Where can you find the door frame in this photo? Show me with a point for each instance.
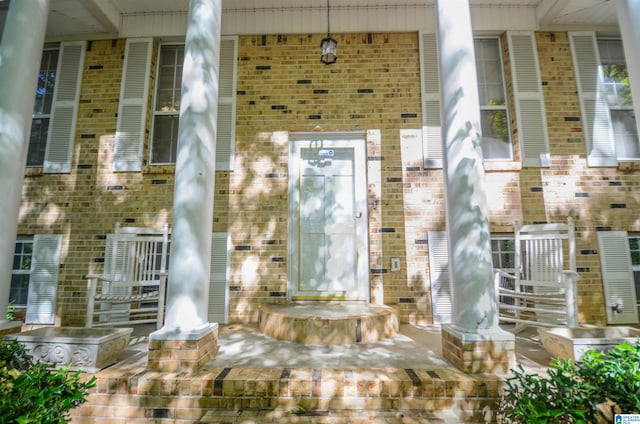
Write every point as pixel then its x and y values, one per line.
pixel 358 140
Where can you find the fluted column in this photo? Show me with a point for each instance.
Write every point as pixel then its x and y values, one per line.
pixel 20 54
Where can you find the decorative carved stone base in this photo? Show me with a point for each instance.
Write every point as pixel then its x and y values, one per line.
pixel 485 351
pixel 172 351
pixel 86 349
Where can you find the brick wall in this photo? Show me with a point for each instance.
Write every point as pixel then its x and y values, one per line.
pixel 282 88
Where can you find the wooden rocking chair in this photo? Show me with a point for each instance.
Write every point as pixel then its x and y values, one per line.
pixel 541 291
pixel 132 288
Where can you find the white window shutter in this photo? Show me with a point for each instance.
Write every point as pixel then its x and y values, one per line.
pixel 225 134
pixel 527 90
pixel 43 280
pixel 442 303
pixel 596 121
pixel 132 111
pixel 219 281
pixel 64 110
pixel 617 277
pixel 431 125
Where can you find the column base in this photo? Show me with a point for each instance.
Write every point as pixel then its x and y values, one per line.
pixel 489 351
pixel 175 351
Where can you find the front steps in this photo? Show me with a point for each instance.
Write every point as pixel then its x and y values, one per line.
pixel 319 395
pixel 328 323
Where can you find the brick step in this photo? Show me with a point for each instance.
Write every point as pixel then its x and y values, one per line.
pixel 321 394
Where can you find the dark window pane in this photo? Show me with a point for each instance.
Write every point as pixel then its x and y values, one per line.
pixel 165 139
pixel 46 82
pixel 19 289
pixel 37 142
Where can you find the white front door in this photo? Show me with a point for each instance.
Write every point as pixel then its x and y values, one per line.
pixel 328 236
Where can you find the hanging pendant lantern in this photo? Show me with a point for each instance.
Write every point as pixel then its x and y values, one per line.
pixel 328 44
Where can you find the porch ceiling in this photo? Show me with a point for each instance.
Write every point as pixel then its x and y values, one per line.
pixel 105 17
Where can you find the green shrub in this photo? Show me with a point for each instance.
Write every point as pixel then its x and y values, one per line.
pixel 576 392
pixel 32 393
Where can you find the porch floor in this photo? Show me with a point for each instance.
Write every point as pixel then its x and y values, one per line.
pixel 245 346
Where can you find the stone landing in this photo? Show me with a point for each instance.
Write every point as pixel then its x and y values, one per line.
pixel 328 323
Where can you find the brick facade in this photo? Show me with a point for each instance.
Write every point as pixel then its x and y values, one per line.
pixel 282 88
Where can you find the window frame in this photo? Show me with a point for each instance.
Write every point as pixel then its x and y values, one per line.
pixel 635 267
pixel 617 142
pixel 21 272
pixel 155 112
pixel 501 238
pixel 42 117
pixel 506 105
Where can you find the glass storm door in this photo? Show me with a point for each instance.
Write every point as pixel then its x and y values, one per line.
pixel 328 243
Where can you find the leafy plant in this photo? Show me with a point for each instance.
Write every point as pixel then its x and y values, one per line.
pixel 576 392
pixel 32 393
pixel 10 316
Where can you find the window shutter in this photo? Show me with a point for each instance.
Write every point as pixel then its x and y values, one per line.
pixel 43 281
pixel 132 111
pixel 529 99
pixel 617 277
pixel 64 110
pixel 439 271
pixel 431 126
pixel 219 281
pixel 225 133
pixel 596 121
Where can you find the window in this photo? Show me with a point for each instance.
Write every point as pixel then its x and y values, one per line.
pixel 496 141
pixel 42 108
pixel 21 272
pixel 167 104
pixel 618 96
pixel 166 110
pixel 634 248
pixel 503 253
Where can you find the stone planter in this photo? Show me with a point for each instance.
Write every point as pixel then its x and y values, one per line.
pixel 86 349
pixel 572 343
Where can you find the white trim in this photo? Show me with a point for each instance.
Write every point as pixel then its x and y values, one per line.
pixel 357 139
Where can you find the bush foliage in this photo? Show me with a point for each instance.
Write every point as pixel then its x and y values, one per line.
pixel 584 391
pixel 33 393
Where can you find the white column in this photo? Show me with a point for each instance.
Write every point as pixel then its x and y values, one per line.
pixel 629 21
pixel 189 265
pixel 20 54
pixel 470 264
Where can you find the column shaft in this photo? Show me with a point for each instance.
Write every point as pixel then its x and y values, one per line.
pixel 20 54
pixel 189 265
pixel 470 266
